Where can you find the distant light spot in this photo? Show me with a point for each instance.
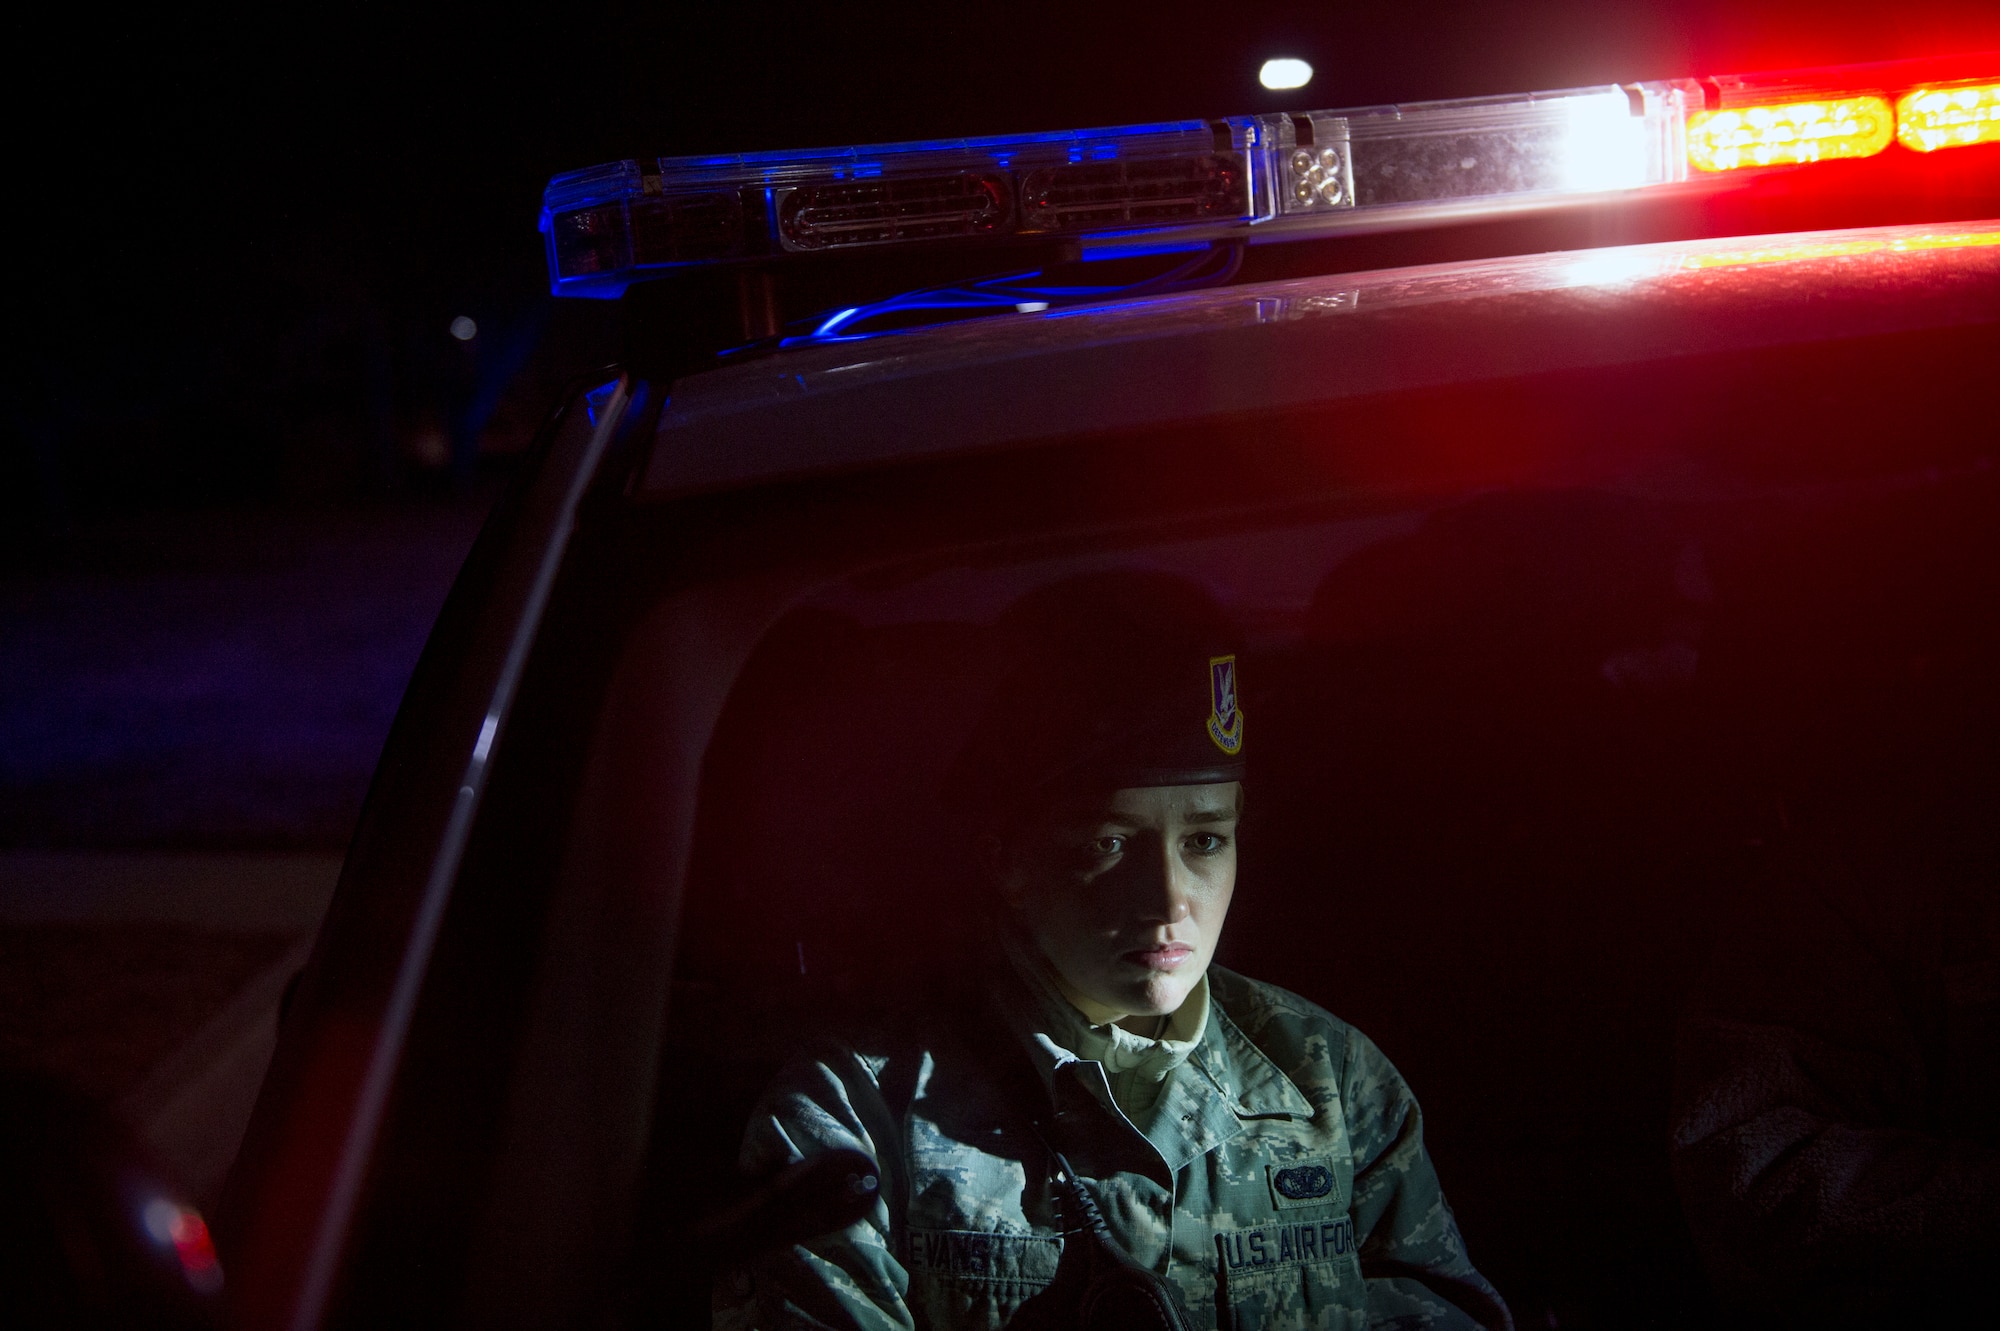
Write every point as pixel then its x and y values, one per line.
pixel 1285 72
pixel 160 1216
pixel 429 445
pixel 464 329
pixel 1030 306
pixel 181 1228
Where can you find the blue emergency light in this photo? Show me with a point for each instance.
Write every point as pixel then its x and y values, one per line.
pixel 1189 183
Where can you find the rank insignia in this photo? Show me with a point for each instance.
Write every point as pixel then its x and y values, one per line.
pixel 1225 717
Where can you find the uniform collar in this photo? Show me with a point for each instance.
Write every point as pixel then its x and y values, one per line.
pixel 1195 1113
pixel 1249 1081
pixel 1152 1059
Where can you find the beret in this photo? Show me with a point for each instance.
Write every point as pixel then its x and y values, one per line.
pixel 1108 680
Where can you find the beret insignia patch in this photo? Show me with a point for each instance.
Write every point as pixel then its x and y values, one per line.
pixel 1225 717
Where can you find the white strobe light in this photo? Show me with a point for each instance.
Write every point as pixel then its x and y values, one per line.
pixel 1285 72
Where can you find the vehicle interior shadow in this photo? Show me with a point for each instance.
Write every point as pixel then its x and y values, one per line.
pixel 1500 835
pixel 1511 771
pixel 825 890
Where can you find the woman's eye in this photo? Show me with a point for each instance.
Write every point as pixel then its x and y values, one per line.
pixel 1108 845
pixel 1205 843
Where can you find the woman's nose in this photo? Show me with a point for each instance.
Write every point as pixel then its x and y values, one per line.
pixel 1168 885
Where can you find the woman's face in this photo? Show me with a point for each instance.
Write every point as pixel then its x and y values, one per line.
pixel 1126 897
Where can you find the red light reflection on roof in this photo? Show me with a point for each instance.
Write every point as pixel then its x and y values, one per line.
pixel 1799 251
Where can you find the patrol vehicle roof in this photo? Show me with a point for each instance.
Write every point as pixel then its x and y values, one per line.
pixel 1126 366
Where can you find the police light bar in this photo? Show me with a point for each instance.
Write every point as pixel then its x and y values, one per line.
pixel 1928 119
pixel 1253 178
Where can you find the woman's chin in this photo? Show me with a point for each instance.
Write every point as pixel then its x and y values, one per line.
pixel 1116 996
pixel 1161 996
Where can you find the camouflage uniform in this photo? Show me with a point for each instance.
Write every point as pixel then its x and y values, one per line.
pixel 1280 1181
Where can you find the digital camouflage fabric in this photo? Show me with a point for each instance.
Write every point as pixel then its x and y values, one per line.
pixel 1284 1182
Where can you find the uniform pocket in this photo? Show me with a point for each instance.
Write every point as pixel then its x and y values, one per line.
pixel 961 1277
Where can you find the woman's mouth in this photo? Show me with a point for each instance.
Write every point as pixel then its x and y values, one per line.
pixel 1164 957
